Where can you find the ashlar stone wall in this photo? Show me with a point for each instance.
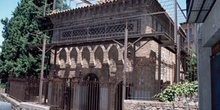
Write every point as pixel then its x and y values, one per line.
pixel 155 105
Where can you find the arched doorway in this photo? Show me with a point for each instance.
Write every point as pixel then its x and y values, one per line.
pixel 91 81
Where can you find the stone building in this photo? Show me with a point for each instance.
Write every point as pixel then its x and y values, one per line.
pixel 190 42
pixel 88 46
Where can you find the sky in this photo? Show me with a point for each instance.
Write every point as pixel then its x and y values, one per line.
pixel 6 9
pixel 8 6
pixel 169 7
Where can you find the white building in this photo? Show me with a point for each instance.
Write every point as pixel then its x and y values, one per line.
pixel 208 13
pixel 191 36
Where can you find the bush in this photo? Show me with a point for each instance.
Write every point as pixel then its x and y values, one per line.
pixel 178 89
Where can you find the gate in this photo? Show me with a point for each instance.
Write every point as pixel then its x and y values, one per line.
pixel 59 94
pixel 84 94
pixel 215 80
pixel 75 93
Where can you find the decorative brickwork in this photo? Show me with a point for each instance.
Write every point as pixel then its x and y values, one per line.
pixel 107 62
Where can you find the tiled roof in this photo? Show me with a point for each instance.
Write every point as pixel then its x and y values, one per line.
pixel 54 12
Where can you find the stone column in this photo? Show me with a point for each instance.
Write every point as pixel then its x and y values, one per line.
pixel 104 99
pixel 80 96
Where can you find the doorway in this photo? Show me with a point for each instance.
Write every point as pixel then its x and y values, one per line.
pixel 92 83
pixel 215 80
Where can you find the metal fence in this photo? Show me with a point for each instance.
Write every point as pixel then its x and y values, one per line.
pixel 23 89
pixel 75 94
pixel 71 94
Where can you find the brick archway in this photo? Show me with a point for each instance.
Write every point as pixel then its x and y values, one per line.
pixel 91 77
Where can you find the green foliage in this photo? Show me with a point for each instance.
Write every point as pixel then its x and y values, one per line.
pixel 180 89
pixel 191 74
pixel 16 57
pixel 186 88
pixel 2 85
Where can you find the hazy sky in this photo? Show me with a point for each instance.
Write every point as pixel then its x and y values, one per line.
pixel 8 6
pixel 6 9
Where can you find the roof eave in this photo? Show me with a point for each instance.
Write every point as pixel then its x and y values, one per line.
pixel 194 15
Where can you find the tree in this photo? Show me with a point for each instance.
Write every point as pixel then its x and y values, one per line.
pixel 19 32
pixel 191 74
pixel 189 86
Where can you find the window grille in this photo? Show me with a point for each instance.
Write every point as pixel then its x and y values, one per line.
pixel 98 31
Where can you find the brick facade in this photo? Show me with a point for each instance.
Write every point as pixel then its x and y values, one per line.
pixel 106 61
pixel 150 65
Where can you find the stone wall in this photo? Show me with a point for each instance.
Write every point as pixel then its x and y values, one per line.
pixel 16 105
pixel 5 98
pixel 33 106
pixel 155 105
